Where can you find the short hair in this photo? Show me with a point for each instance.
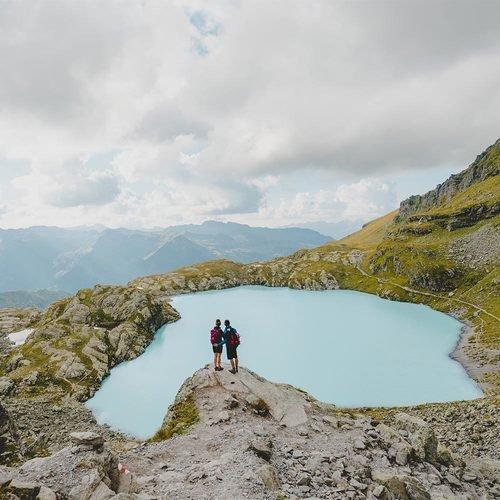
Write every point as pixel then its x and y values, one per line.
pixel 226 322
pixel 217 321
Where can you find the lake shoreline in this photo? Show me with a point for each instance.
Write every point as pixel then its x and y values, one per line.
pixel 459 354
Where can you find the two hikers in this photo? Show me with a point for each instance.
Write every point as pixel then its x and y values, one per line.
pixel 231 338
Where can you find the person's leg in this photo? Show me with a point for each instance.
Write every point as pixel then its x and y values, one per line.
pixel 219 361
pixel 215 361
pixel 236 363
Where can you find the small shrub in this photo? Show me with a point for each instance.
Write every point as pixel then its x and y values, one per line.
pixel 183 415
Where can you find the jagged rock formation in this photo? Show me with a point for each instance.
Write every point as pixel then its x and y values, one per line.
pixel 15 319
pixel 85 470
pixel 78 340
pixel 487 164
pixel 245 437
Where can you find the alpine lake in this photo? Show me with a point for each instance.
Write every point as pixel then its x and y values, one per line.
pixel 348 348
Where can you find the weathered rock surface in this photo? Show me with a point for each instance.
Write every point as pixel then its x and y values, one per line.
pixel 484 166
pixel 77 472
pixel 298 448
pixel 44 426
pixel 78 340
pixel 15 319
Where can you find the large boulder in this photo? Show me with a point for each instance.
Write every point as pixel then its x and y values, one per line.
pixel 87 470
pixel 401 486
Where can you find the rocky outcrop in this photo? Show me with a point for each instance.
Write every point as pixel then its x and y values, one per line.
pixel 256 439
pixel 15 319
pixel 486 165
pixel 477 249
pixel 252 438
pixel 44 426
pixel 78 340
pixel 86 470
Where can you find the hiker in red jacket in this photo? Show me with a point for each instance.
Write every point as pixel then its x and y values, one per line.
pixel 216 340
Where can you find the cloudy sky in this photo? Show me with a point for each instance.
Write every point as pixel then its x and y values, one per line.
pixel 151 113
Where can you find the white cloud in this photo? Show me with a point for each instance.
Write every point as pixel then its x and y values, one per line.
pixel 209 106
pixel 98 188
pixel 366 199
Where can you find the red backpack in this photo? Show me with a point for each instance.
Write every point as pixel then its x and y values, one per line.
pixel 234 338
pixel 215 336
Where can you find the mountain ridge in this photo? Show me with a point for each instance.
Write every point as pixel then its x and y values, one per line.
pixel 486 164
pixel 69 259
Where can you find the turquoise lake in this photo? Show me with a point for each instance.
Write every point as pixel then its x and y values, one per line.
pixel 343 347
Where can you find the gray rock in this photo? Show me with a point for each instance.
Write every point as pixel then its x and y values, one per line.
pixel 330 421
pixel 262 448
pixel 424 443
pixel 102 492
pixel 453 480
pixel 46 494
pixel 24 489
pixel 400 485
pixel 410 423
pixel 223 416
pixel 267 474
pixel 304 479
pixel 87 438
pixel 402 455
pixel 6 386
pixel 359 444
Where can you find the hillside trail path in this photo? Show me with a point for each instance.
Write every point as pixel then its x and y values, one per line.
pixel 429 294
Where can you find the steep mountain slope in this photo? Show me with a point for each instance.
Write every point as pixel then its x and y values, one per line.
pixel 486 165
pixel 177 252
pixel 30 258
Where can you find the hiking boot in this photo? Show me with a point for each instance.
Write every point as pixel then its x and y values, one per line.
pixel 220 368
pixel 232 370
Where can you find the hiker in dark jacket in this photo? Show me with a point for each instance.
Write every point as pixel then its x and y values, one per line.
pixel 232 340
pixel 216 339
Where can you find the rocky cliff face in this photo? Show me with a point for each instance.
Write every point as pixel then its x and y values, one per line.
pixel 78 340
pixel 241 436
pixel 487 164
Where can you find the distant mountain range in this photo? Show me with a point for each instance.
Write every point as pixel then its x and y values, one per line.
pixel 68 259
pixel 22 298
